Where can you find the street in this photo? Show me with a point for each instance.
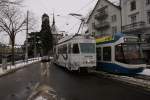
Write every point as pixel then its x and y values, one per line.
pixel 68 86
pixel 17 86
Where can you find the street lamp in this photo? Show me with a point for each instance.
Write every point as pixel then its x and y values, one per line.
pixel 74 14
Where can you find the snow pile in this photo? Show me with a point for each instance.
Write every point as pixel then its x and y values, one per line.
pixel 41 98
pixel 19 64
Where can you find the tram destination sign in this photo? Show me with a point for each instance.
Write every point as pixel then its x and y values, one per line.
pixel 131 39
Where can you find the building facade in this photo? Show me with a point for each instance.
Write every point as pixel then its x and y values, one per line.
pixel 34 44
pixel 105 19
pixel 136 21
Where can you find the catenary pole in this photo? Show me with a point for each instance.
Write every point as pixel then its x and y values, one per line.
pixel 26 49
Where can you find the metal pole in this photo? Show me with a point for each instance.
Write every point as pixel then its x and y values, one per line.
pixel 121 14
pixel 79 28
pixel 82 22
pixel 34 45
pixel 26 49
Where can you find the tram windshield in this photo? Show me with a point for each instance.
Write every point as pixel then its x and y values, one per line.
pixel 87 47
pixel 129 53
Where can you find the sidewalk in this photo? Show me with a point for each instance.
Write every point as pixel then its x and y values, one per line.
pixel 18 65
pixel 145 84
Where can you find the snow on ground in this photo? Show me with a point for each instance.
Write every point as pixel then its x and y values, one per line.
pixel 145 72
pixel 18 64
pixel 1 70
pixel 41 98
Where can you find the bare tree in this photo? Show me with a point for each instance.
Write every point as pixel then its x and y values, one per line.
pixel 4 3
pixel 13 21
pixel 8 2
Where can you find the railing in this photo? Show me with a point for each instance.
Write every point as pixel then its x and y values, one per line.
pixel 133 27
pixel 146 46
pixel 101 15
pixel 102 26
pixel 102 9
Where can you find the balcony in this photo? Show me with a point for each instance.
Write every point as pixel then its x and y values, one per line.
pixel 101 26
pixel 134 27
pixel 146 46
pixel 101 15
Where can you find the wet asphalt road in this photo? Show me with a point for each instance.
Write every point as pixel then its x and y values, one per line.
pixel 17 86
pixel 69 86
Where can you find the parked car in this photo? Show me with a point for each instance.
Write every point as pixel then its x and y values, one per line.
pixel 45 59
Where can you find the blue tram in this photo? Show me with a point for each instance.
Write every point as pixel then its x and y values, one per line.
pixel 119 54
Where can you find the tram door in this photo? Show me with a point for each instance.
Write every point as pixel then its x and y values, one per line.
pixel 69 55
pixel 98 50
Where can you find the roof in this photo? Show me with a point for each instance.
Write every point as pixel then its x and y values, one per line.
pixel 45 15
pixel 71 37
pixel 97 5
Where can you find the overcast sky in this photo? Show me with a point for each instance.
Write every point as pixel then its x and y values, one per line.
pixel 64 22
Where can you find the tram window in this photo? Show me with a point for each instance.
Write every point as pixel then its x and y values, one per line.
pixel 69 48
pixel 107 53
pixel 98 53
pixel 75 48
pixel 64 48
pixel 59 51
pixel 119 56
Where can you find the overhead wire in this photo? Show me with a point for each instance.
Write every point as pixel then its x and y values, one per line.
pixel 82 8
pixel 73 26
pixel 85 6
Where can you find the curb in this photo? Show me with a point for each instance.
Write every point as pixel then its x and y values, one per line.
pixel 148 66
pixel 8 72
pixel 138 83
pixel 15 69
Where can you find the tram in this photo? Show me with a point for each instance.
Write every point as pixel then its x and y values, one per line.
pixel 76 52
pixel 120 54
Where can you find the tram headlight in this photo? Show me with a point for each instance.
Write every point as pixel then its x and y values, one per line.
pixel 88 61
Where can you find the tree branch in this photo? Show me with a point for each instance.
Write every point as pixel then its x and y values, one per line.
pixel 8 2
pixel 2 22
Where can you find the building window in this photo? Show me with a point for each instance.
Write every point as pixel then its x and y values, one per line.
pixel 133 19
pixel 133 5
pixel 114 30
pixel 107 54
pixel 148 17
pixel 147 2
pixel 114 18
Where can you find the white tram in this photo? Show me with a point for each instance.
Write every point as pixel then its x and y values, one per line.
pixel 121 54
pixel 76 52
